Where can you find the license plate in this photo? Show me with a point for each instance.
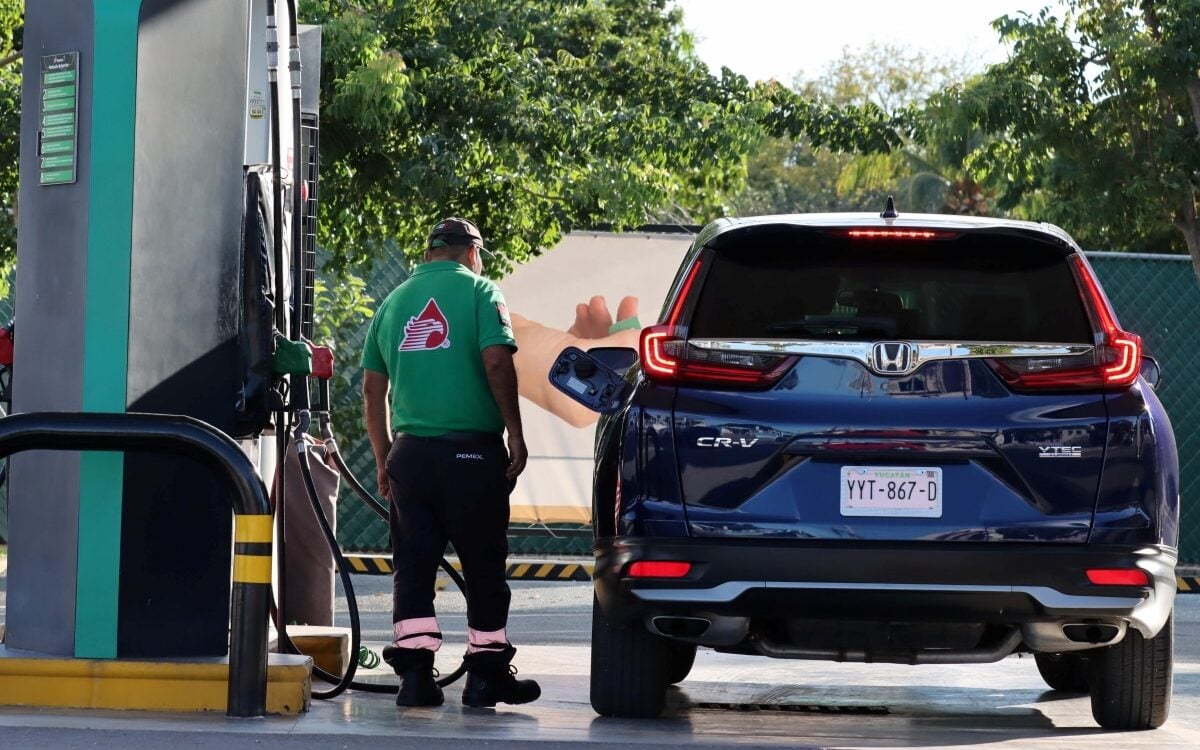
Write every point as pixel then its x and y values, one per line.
pixel 905 491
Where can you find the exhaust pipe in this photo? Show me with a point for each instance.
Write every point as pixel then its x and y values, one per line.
pixel 680 627
pixel 1095 633
pixel 703 628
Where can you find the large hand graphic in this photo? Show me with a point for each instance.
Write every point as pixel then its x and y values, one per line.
pixel 593 320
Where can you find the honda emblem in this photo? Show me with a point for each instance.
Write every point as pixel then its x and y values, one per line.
pixel 893 358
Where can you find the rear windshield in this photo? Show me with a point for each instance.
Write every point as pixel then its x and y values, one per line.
pixel 808 286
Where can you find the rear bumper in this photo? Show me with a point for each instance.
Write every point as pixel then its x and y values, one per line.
pixel 1037 587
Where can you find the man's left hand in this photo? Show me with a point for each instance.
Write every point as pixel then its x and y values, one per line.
pixel 517 456
pixel 385 486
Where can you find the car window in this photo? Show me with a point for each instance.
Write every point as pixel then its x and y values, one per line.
pixel 974 288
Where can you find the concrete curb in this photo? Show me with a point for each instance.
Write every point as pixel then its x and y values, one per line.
pixel 141 684
pixel 520 569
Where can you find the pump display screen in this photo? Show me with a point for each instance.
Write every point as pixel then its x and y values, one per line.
pixel 59 123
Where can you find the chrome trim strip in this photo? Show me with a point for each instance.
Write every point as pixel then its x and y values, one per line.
pixel 924 351
pixel 1046 596
pixel 725 592
pixel 1055 599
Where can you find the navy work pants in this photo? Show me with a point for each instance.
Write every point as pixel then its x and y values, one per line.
pixel 450 489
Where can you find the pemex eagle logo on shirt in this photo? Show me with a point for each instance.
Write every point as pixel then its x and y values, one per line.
pixel 427 331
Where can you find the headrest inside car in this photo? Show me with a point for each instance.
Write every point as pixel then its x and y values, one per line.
pixel 871 301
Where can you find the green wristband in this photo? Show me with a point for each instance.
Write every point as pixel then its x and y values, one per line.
pixel 624 325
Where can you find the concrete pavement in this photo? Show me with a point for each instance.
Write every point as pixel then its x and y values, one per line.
pixel 728 701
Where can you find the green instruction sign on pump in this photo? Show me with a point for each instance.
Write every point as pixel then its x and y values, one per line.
pixel 59 127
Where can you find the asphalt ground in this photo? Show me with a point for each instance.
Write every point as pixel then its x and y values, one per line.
pixel 727 701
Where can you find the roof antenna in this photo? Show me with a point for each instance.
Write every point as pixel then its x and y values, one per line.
pixel 889 212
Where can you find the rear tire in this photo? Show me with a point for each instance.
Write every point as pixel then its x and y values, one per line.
pixel 1065 672
pixel 679 665
pixel 1131 681
pixel 629 669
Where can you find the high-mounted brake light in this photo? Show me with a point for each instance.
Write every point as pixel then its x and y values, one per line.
pixel 1118 577
pixel 895 234
pixel 659 569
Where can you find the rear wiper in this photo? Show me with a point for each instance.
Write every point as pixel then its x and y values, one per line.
pixel 833 326
pixel 809 325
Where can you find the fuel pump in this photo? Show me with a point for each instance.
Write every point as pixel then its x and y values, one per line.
pixel 129 287
pixel 166 261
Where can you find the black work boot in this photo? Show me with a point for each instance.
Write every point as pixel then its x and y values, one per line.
pixel 417 684
pixel 490 680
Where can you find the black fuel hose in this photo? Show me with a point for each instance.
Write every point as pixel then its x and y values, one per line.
pixel 357 486
pixel 278 262
pixel 276 168
pixel 299 396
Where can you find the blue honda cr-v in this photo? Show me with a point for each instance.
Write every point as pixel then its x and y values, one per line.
pixel 923 440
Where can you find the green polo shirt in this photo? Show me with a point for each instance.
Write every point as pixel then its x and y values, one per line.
pixel 426 337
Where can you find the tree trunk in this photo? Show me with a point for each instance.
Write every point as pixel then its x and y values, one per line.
pixel 1193 93
pixel 1188 225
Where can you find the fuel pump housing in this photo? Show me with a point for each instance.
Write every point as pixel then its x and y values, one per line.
pixel 132 293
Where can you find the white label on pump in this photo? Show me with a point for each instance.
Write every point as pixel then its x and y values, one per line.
pixel 258 105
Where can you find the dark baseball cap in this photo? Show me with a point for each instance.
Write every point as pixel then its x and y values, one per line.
pixel 454 231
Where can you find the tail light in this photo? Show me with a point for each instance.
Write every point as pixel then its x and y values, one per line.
pixel 668 358
pixel 1118 577
pixel 1115 362
pixel 659 569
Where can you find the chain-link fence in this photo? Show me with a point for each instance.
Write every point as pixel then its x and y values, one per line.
pixel 1157 296
pixel 358 528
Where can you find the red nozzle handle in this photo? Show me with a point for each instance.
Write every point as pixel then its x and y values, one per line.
pixel 322 362
pixel 6 346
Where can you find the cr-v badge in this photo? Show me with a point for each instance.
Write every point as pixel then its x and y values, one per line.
pixel 716 442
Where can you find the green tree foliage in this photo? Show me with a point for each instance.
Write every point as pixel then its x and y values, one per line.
pixel 532 117
pixel 792 174
pixel 11 12
pixel 536 117
pixel 528 117
pixel 1096 116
